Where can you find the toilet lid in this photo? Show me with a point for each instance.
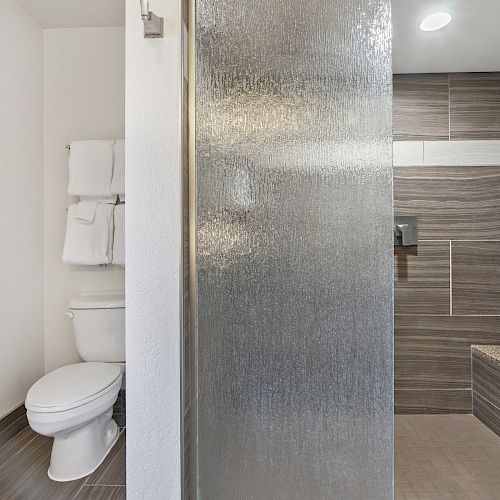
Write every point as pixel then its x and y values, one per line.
pixel 72 384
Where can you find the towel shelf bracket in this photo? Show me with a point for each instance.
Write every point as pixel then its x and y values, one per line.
pixel 153 24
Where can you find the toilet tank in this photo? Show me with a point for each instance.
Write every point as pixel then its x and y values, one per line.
pixel 99 325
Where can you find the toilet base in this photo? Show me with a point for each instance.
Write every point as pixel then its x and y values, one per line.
pixel 78 452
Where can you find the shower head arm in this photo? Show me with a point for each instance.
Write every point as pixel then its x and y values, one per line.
pixel 145 14
pixel 153 24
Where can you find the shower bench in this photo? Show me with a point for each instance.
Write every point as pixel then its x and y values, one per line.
pixel 486 385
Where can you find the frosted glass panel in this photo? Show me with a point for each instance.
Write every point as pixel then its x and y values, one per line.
pixel 294 249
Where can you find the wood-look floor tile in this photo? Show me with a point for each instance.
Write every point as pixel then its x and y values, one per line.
pixel 420 107
pixel 24 461
pixel 102 493
pixel 422 278
pixel 11 424
pixel 475 106
pixel 476 277
pixel 452 203
pixel 112 470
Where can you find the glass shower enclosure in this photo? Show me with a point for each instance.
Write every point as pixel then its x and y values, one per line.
pixel 293 250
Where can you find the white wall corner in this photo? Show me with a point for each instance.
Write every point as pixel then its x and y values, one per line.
pixel 153 248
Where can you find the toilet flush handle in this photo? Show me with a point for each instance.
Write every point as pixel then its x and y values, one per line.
pixel 69 314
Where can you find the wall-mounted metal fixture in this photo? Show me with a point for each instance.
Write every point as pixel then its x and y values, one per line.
pixel 405 231
pixel 153 24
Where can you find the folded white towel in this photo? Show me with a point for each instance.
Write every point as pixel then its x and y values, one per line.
pixel 90 168
pixel 85 212
pixel 90 243
pixel 119 238
pixel 118 179
pixel 100 199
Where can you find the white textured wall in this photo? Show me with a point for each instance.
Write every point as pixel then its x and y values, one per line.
pixel 153 246
pixel 84 98
pixel 21 190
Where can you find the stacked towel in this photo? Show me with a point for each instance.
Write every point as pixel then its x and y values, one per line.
pixel 84 212
pixel 89 243
pixel 119 238
pixel 97 176
pixel 118 180
pixel 91 168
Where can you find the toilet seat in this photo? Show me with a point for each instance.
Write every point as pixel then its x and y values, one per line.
pixel 72 386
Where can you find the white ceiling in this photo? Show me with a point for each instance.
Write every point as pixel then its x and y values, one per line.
pixel 76 13
pixel 470 43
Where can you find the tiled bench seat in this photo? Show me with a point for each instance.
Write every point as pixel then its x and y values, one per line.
pixel 486 385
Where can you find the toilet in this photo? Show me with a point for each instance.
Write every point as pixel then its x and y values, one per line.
pixel 74 404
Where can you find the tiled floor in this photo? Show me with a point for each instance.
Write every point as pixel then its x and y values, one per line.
pixel 438 457
pixel 446 457
pixel 23 472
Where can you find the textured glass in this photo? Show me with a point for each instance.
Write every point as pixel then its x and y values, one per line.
pixel 294 249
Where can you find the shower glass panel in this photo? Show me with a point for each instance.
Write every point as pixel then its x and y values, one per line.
pixel 293 249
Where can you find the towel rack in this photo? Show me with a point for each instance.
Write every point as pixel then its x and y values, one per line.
pixel 68 147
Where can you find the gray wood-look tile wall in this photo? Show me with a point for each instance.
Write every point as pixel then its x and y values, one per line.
pixel 455 106
pixel 486 396
pixel 447 291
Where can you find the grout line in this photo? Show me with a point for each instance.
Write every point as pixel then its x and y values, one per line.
pixel 449 107
pixel 437 389
pixel 462 241
pixel 107 485
pixel 454 315
pixel 81 487
pixel 85 483
pixel 451 284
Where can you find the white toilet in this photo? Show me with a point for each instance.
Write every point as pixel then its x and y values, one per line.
pixel 74 404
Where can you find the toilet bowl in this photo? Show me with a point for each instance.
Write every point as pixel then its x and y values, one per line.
pixel 74 404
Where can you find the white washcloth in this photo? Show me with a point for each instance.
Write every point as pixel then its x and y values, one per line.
pixel 118 180
pixel 90 168
pixel 89 244
pixel 119 239
pixel 85 209
pixel 85 212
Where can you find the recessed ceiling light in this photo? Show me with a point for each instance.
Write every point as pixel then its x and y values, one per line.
pixel 435 22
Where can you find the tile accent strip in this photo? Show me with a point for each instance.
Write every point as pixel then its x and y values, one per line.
pixel 446 153
pixel 408 153
pixel 463 153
